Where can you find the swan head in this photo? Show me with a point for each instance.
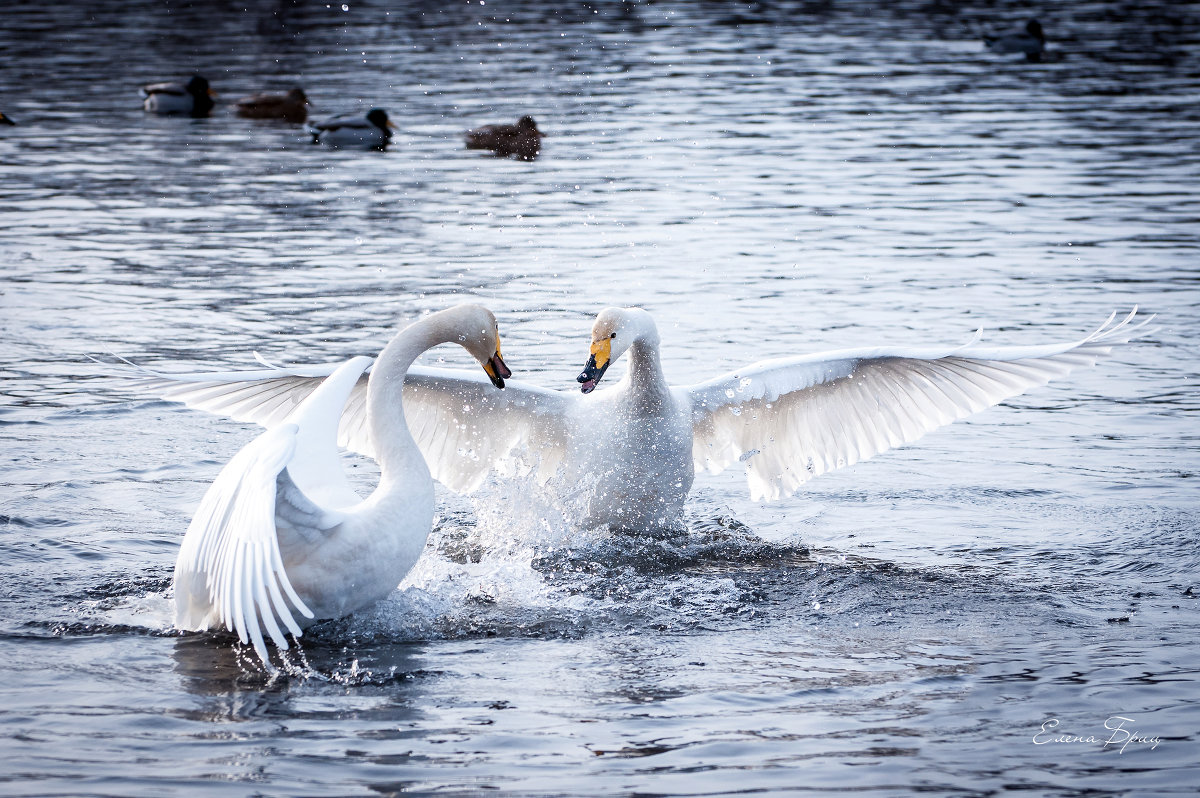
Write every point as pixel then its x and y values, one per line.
pixel 615 330
pixel 479 334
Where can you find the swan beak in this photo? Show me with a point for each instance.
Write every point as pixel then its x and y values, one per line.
pixel 596 365
pixel 212 93
pixel 392 125
pixel 496 370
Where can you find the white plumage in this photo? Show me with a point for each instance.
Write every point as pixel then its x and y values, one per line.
pixel 626 456
pixel 281 538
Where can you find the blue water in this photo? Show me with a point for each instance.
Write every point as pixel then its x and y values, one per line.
pixel 767 179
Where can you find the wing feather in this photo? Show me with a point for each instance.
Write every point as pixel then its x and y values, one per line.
pixel 466 428
pixel 463 425
pixel 229 566
pixel 230 570
pixel 792 419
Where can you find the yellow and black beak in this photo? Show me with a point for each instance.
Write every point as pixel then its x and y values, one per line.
pixel 496 370
pixel 596 365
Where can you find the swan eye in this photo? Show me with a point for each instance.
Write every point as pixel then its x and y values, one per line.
pixel 614 335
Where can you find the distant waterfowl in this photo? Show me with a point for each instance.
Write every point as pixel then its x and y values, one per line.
pixel 626 456
pixel 4 120
pixel 352 130
pixel 1032 43
pixel 522 140
pixel 195 97
pixel 290 107
pixel 281 519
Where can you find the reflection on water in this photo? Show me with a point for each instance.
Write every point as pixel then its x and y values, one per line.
pixel 767 179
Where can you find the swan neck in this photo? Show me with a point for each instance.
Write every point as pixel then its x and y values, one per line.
pixel 395 448
pixel 645 368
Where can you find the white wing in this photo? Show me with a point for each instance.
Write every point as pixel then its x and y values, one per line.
pixel 229 572
pixel 463 425
pixel 792 419
pixel 467 428
pixel 230 569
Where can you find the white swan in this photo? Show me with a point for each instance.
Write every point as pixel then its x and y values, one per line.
pixel 625 456
pixel 282 520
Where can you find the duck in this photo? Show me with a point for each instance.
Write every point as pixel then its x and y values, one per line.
pixel 1032 43
pixel 522 140
pixel 194 98
pixel 373 130
pixel 626 456
pixel 291 107
pixel 6 120
pixel 281 540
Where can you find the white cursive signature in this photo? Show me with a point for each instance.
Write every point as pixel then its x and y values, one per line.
pixel 1121 735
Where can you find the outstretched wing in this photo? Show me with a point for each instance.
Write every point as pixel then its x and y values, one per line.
pixel 230 570
pixel 464 427
pixel 792 419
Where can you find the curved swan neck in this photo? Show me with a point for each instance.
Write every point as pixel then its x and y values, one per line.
pixel 395 448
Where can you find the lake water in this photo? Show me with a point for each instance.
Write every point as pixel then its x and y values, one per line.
pixel 767 180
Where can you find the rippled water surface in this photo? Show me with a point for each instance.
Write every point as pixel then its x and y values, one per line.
pixel 767 179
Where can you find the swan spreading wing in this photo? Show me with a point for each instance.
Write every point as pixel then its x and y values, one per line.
pixel 792 419
pixel 230 569
pixel 463 427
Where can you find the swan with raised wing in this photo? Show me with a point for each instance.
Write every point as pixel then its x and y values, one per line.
pixel 281 533
pixel 626 455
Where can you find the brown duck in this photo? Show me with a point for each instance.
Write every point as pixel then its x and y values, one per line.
pixel 290 107
pixel 522 140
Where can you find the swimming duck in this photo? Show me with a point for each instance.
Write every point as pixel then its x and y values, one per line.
pixel 281 519
pixel 4 120
pixel 290 107
pixel 1032 42
pixel 195 97
pixel 351 130
pixel 626 456
pixel 523 139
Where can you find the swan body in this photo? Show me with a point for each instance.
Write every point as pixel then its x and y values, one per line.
pixel 372 130
pixel 194 97
pixel 281 539
pixel 626 455
pixel 522 140
pixel 290 107
pixel 1031 43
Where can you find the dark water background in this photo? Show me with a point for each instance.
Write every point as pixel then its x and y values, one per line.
pixel 767 179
